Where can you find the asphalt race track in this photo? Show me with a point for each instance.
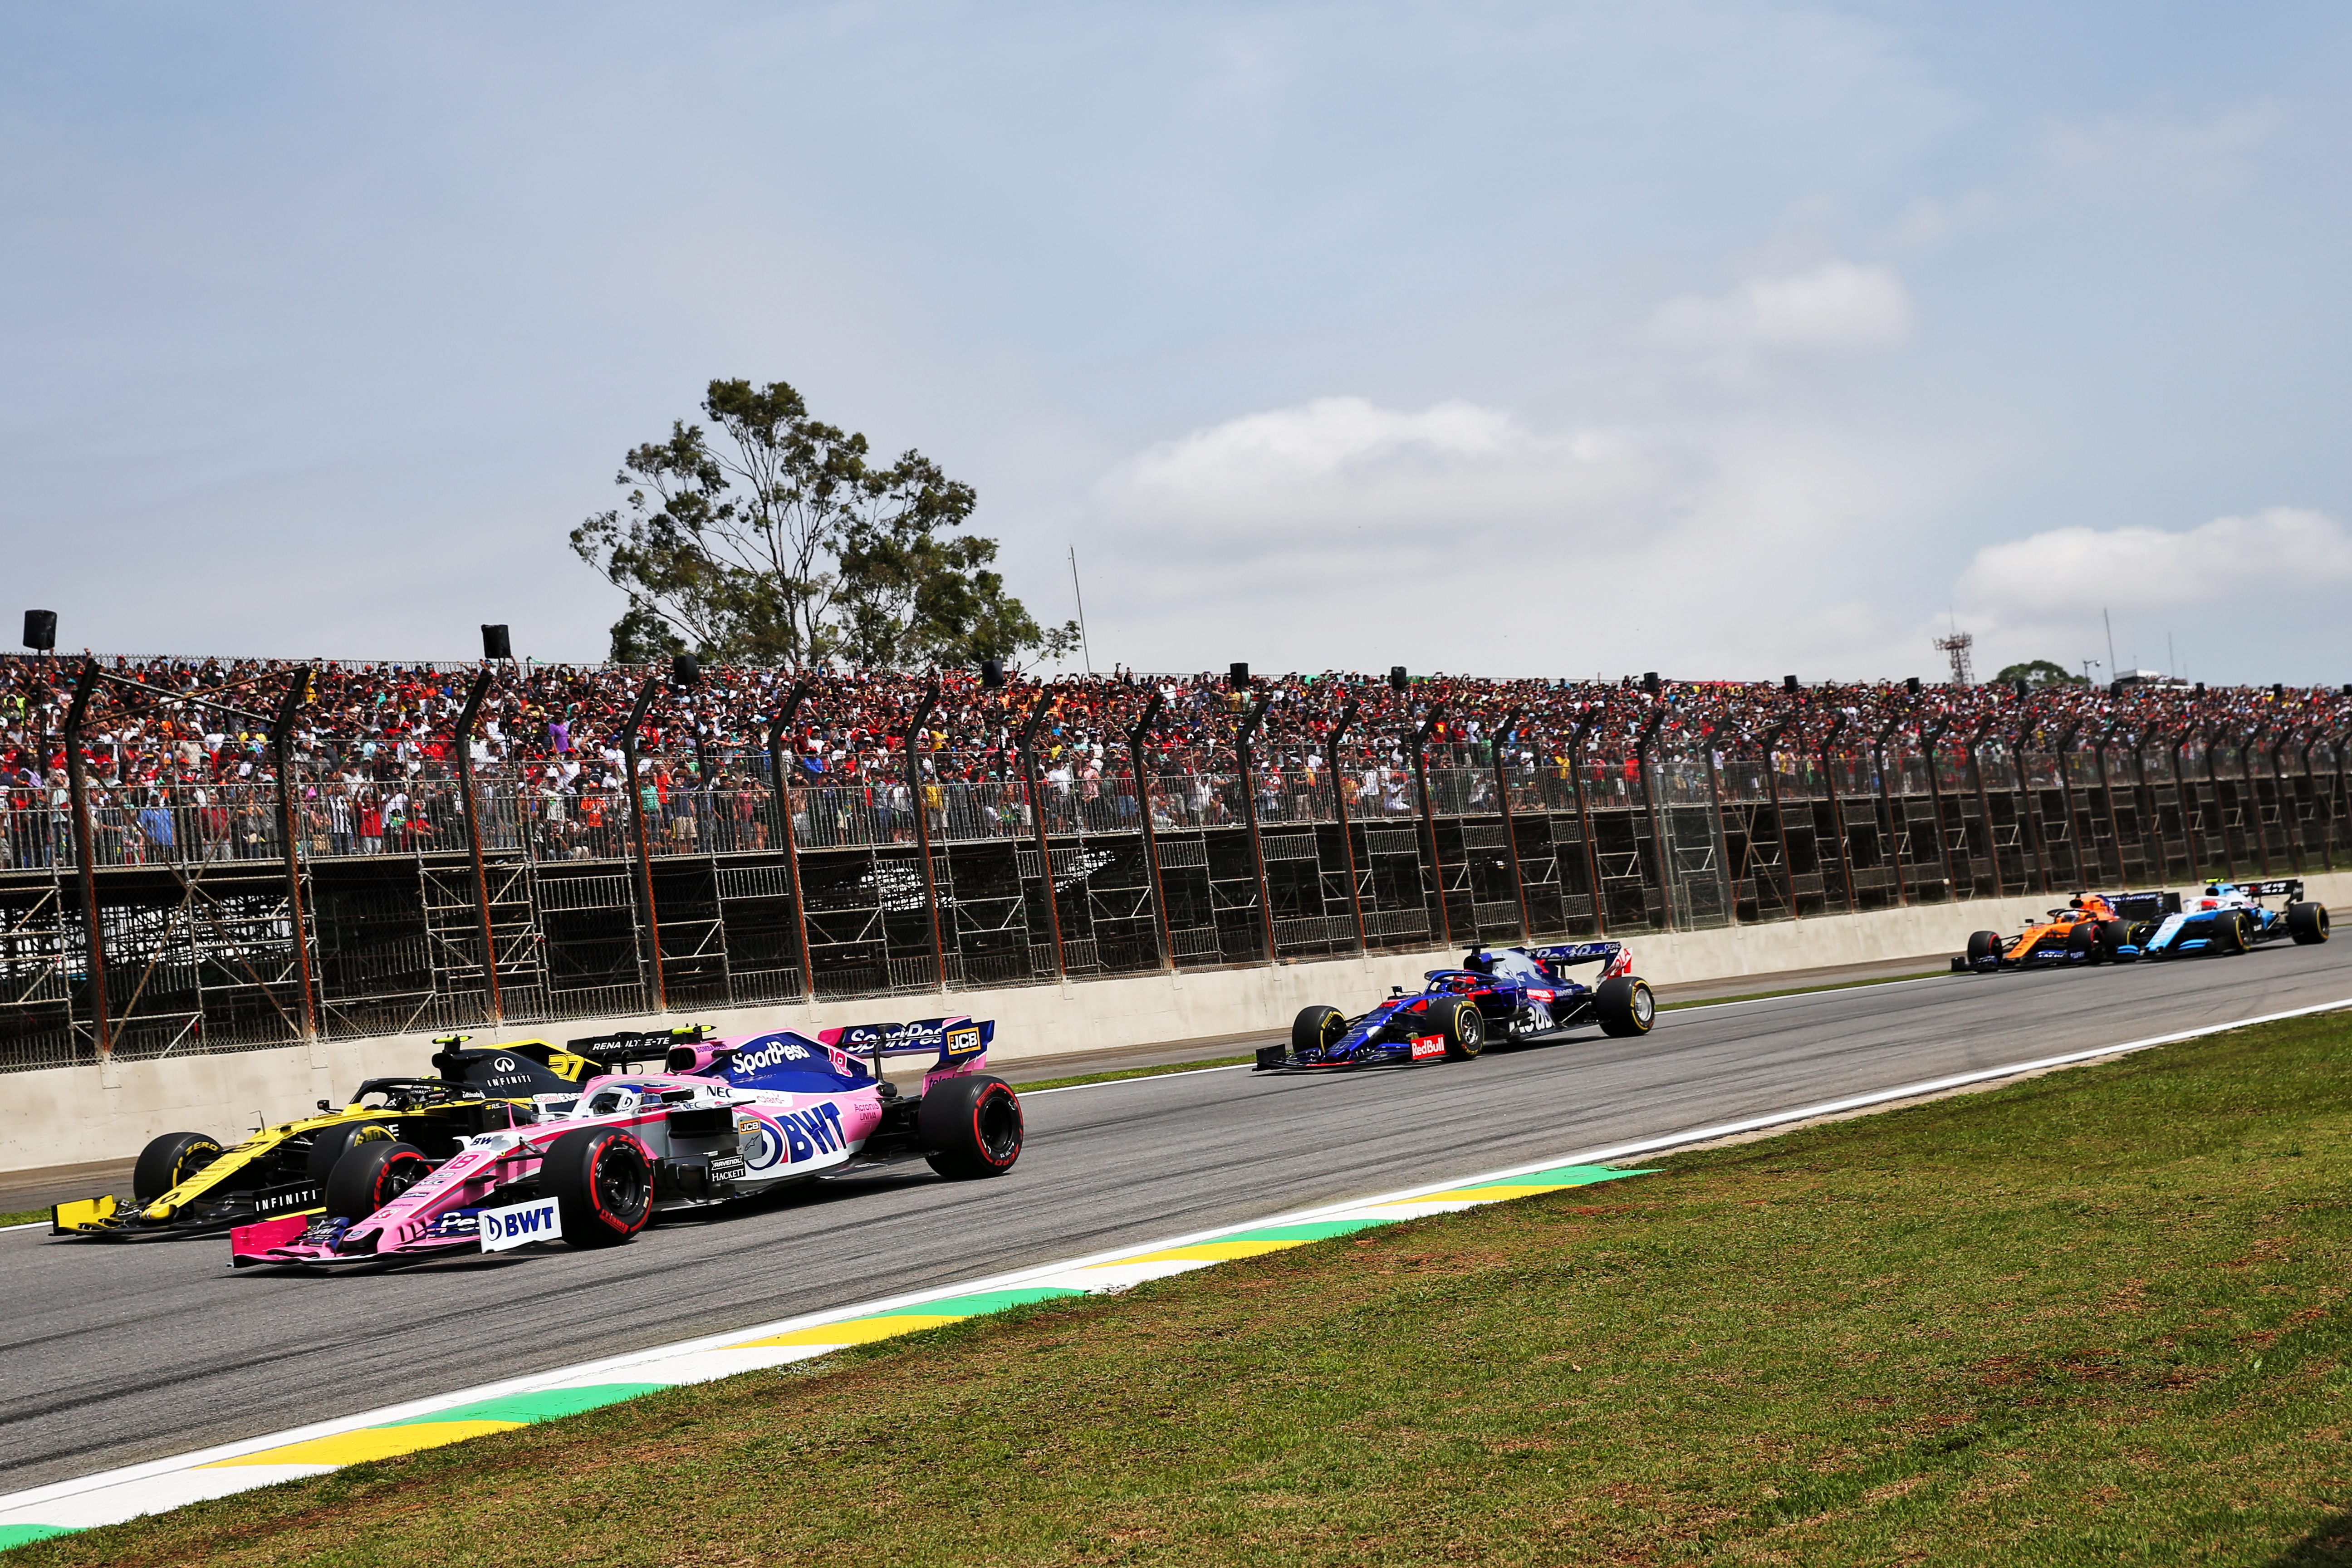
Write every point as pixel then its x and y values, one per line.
pixel 121 1352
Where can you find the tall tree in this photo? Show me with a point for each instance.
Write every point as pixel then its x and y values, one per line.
pixel 782 539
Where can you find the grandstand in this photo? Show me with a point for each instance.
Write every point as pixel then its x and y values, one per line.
pixel 853 832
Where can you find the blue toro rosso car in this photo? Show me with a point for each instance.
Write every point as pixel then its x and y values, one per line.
pixel 1505 994
pixel 2229 918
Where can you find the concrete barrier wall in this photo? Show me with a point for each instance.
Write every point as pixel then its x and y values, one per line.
pixel 71 1115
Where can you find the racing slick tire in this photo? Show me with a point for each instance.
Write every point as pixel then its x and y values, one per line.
pixel 2082 943
pixel 2114 937
pixel 602 1180
pixel 1983 944
pixel 2307 923
pixel 2230 933
pixel 1457 1021
pixel 330 1144
pixel 972 1127
pixel 168 1160
pixel 1316 1029
pixel 1625 1006
pixel 372 1175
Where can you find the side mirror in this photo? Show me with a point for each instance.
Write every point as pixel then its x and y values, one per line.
pixel 325 1105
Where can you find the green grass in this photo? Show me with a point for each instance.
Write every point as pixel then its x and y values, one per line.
pixel 24 1217
pixel 2098 1317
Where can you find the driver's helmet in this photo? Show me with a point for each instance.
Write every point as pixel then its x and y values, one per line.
pixel 1458 985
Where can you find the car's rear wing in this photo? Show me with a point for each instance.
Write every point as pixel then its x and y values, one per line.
pixel 2143 906
pixel 2287 888
pixel 954 1040
pixel 1577 953
pixel 521 1067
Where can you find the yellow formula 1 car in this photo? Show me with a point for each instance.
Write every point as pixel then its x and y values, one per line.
pixel 189 1182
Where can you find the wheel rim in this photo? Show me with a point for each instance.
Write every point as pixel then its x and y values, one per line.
pixel 619 1182
pixel 1645 1006
pixel 398 1176
pixel 997 1120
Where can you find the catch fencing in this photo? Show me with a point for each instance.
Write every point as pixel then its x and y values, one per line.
pixel 561 902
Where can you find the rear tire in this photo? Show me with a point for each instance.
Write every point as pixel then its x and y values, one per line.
pixel 1316 1030
pixel 1457 1021
pixel 2307 923
pixel 1983 945
pixel 372 1175
pixel 330 1144
pixel 1625 1006
pixel 971 1127
pixel 602 1184
pixel 168 1160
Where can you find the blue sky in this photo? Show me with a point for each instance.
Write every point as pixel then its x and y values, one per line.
pixel 1729 341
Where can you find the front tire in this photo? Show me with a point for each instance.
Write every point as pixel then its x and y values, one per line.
pixel 972 1127
pixel 2114 935
pixel 1625 1006
pixel 2307 923
pixel 372 1175
pixel 2230 934
pixel 1457 1021
pixel 602 1180
pixel 1316 1030
pixel 330 1144
pixel 2082 943
pixel 1983 946
pixel 168 1160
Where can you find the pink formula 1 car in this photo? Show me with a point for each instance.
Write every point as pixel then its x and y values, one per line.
pixel 725 1119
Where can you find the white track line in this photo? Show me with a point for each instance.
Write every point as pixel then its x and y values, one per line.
pixel 1015 1279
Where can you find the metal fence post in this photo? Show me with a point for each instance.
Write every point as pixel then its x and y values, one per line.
pixel 1136 761
pixel 1242 738
pixel 2064 753
pixel 2028 808
pixel 482 682
pixel 923 830
pixel 1429 820
pixel 1929 740
pixel 281 753
pixel 1650 809
pixel 1026 747
pixel 93 927
pixel 1722 831
pixel 1886 800
pixel 777 782
pixel 1984 803
pixel 2343 811
pixel 1510 828
pixel 2213 790
pixel 2107 793
pixel 1780 813
pixel 636 803
pixel 1837 811
pixel 1584 823
pixel 1347 833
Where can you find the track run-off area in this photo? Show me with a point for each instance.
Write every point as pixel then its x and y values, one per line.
pixel 128 1351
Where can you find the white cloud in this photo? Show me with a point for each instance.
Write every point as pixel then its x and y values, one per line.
pixel 1835 307
pixel 2229 561
pixel 2133 152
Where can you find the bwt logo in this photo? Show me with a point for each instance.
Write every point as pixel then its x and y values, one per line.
pixel 808 1133
pixel 510 1226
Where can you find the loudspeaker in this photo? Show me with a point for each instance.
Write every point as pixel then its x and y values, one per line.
pixel 684 671
pixel 2201 688
pixel 1911 685
pixel 496 643
pixel 41 630
pixel 1650 683
pixel 2115 689
pixel 1238 676
pixel 992 673
pixel 1787 683
pixel 2278 690
pixel 2020 691
pixel 1397 680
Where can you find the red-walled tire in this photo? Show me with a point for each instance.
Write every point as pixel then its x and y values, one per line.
pixel 370 1176
pixel 602 1180
pixel 971 1127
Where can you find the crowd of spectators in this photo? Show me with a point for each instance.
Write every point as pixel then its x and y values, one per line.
pixel 183 763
